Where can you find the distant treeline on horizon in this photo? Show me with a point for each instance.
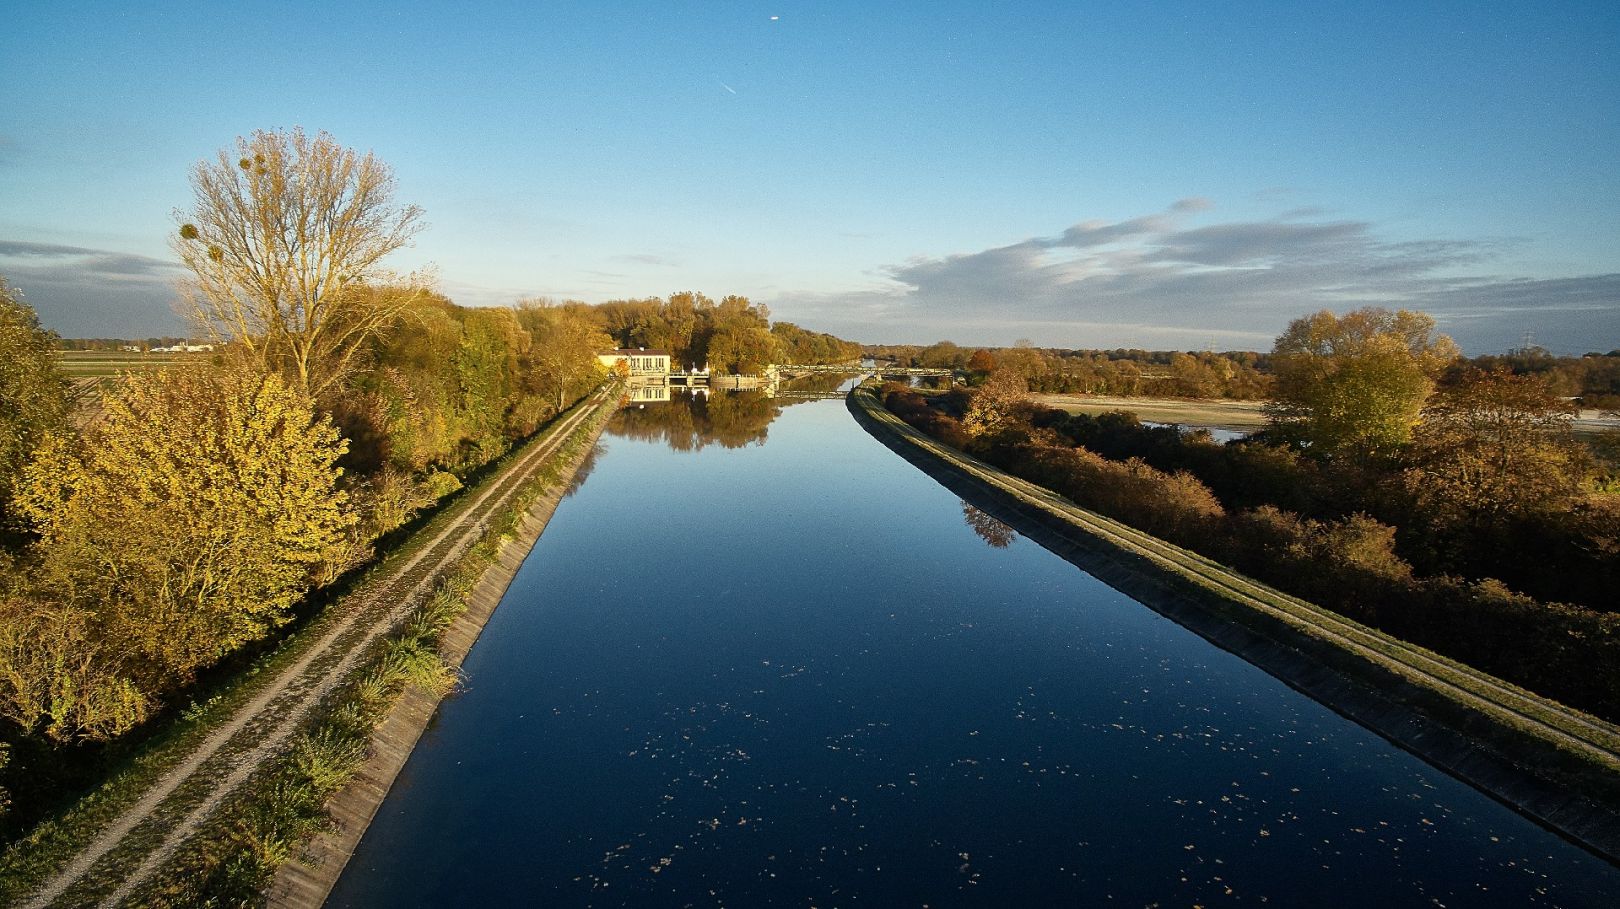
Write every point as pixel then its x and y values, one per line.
pixel 1593 378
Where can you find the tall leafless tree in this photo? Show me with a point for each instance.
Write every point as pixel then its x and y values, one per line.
pixel 285 243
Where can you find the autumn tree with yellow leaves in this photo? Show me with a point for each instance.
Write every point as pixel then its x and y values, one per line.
pixel 994 404
pixel 1493 446
pixel 1356 384
pixel 33 392
pixel 183 525
pixel 562 360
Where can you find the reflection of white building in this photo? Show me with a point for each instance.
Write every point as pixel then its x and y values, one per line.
pixel 646 393
pixel 641 361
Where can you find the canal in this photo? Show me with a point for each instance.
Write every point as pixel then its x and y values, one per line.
pixel 759 660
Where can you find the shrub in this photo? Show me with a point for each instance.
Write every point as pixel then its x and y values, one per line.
pixel 1176 507
pixel 1349 565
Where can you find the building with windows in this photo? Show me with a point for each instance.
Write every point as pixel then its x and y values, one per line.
pixel 648 393
pixel 641 361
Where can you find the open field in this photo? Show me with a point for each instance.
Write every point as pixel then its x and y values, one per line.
pixel 91 371
pixel 1238 416
pixel 96 364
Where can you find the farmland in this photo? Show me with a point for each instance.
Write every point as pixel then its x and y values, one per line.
pixel 91 370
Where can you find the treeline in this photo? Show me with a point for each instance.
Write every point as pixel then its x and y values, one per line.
pixel 1122 372
pixel 1591 380
pixel 808 348
pixel 1471 531
pixel 189 517
pixel 731 337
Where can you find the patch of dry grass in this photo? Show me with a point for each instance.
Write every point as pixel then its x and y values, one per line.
pixel 1240 416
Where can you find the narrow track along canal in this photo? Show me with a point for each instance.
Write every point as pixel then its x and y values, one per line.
pixel 758 660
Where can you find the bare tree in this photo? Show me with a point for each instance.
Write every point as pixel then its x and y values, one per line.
pixel 285 242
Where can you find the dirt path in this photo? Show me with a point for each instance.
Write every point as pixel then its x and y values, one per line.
pixel 145 834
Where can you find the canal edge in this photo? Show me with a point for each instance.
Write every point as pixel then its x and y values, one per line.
pixel 306 880
pixel 1402 703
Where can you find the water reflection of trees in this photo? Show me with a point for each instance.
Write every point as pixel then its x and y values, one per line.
pixel 688 422
pixel 818 383
pixel 586 465
pixel 992 531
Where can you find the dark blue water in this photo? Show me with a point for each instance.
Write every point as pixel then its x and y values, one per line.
pixel 779 668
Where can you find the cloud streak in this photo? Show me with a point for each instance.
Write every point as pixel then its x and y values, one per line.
pixel 84 292
pixel 1166 279
pixel 1156 279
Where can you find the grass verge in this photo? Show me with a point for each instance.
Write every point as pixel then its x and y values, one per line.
pixel 1238 416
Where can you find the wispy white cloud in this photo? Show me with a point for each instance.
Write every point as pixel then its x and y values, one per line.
pixel 646 259
pixel 1158 279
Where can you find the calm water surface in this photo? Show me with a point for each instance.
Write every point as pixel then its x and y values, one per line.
pixel 758 663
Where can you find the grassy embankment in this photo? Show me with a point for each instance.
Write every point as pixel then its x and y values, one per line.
pixel 1557 764
pixel 257 829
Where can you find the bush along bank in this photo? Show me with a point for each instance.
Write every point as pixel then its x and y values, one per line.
pixel 233 862
pixel 1558 765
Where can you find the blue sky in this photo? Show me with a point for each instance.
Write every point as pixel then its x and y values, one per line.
pixel 1167 175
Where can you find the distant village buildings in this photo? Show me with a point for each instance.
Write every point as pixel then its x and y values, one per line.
pixel 184 348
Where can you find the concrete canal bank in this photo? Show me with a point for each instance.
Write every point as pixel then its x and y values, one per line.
pixel 306 880
pixel 1553 763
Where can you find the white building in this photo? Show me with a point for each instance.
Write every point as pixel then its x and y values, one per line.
pixel 641 361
